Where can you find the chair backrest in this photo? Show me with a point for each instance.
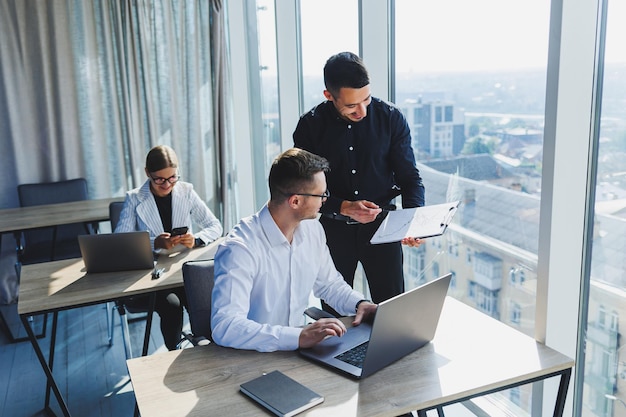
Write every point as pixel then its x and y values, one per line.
pixel 38 244
pixel 115 209
pixel 198 281
pixel 52 192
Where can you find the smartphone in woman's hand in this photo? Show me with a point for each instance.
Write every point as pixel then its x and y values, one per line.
pixel 177 231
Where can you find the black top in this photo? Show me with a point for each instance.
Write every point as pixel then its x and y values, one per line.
pixel 369 160
pixel 164 204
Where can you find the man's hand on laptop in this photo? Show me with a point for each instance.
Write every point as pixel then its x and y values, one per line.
pixel 320 330
pixel 365 311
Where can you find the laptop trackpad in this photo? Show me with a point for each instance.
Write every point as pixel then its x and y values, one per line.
pixel 333 346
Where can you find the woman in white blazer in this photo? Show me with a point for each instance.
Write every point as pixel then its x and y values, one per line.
pixel 160 205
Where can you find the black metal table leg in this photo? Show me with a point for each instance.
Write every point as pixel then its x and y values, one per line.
pixel 53 339
pixel 146 337
pixel 560 398
pixel 6 324
pixel 42 360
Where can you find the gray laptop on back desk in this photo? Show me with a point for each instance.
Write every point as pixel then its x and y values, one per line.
pixel 115 252
pixel 402 325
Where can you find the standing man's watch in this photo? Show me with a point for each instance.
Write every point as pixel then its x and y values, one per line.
pixel 356 308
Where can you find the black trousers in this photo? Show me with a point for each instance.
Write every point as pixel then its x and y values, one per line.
pixel 349 244
pixel 169 306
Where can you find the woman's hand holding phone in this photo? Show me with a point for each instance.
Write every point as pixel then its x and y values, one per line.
pixel 178 235
pixel 181 236
pixel 177 231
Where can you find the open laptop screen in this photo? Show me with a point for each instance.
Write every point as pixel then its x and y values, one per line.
pixel 113 252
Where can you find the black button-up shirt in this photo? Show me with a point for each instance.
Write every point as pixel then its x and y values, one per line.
pixel 369 160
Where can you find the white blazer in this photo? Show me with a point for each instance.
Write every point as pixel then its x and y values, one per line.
pixel 140 212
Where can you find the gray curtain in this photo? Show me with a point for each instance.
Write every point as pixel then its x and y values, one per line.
pixel 87 87
pixel 223 116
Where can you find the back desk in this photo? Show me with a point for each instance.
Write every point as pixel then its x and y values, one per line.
pixel 62 285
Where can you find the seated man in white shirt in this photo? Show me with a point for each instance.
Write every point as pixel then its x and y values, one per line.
pixel 269 263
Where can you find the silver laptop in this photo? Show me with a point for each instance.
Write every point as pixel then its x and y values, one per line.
pixel 402 325
pixel 112 252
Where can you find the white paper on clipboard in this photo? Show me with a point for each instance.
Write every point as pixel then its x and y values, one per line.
pixel 418 222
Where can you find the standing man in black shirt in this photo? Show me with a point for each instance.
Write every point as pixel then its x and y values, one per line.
pixel 368 144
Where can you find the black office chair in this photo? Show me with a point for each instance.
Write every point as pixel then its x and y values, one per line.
pixel 57 242
pixel 198 279
pixel 10 322
pixel 49 243
pixel 115 210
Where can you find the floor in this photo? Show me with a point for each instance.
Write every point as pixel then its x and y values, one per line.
pixel 91 375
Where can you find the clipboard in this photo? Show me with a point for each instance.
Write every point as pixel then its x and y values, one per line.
pixel 418 222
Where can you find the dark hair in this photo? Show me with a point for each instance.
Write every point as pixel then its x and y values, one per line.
pixel 292 171
pixel 161 157
pixel 345 69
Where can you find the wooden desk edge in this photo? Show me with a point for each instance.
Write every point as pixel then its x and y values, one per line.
pixel 9 216
pixel 39 305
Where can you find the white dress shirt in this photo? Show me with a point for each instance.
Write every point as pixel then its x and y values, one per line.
pixel 140 212
pixel 263 284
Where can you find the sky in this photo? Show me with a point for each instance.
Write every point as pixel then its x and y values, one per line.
pixel 451 33
pixel 472 35
pixel 475 35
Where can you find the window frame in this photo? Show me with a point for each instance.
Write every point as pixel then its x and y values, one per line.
pixel 569 135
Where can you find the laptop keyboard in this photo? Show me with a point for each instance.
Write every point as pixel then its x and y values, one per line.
pixel 354 356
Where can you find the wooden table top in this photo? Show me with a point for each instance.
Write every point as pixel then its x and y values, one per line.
pixel 32 217
pixel 64 284
pixel 471 354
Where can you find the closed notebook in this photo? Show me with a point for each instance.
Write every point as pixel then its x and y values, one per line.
pixel 280 394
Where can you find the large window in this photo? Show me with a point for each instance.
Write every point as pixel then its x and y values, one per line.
pixel 320 37
pixel 269 82
pixel 473 90
pixel 484 105
pixel 471 80
pixel 327 27
pixel 604 392
pixel 263 90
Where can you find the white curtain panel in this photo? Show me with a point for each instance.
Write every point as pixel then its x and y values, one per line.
pixel 87 88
